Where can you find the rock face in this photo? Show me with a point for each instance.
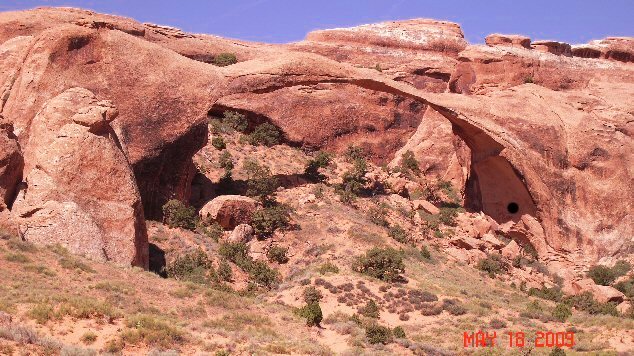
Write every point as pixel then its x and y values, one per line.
pixel 66 198
pixel 508 40
pixel 229 210
pixel 615 48
pixel 554 47
pixel 11 163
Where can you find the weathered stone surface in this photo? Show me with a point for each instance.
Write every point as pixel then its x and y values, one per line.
pixel 554 47
pixel 229 210
pixel 11 163
pixel 242 233
pixel 614 48
pixel 511 250
pixel 497 39
pixel 602 294
pixel 66 198
pixel 426 206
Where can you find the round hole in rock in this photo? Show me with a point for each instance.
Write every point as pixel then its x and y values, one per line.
pixel 513 208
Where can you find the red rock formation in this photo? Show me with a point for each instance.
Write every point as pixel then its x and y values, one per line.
pixel 554 47
pixel 508 40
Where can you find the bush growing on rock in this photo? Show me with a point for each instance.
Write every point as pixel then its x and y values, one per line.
pixel 265 134
pixel 224 59
pixel 277 254
pixel 626 287
pixel 383 263
pixel 586 302
pixel 177 214
pixel 605 276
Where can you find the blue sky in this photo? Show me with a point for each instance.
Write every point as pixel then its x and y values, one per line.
pixel 279 21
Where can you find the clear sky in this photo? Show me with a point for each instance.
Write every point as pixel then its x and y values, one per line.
pixel 279 21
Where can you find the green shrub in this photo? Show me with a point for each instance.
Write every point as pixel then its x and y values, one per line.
pixel 224 59
pixel 224 271
pixel 328 267
pixel 88 337
pixel 378 334
pixel 370 310
pixel 555 294
pixel 265 134
pixel 354 181
pixel 409 162
pixel 262 274
pixel 312 295
pixel 226 161
pixel 266 221
pixel 312 313
pixel 193 267
pixel 236 252
pixel 259 272
pixel 229 122
pixel 152 331
pixel 424 252
pixel 626 287
pixel 177 214
pixel 586 302
pixel 399 333
pixel 621 268
pixel 218 143
pixel 260 183
pixel 212 230
pixel 602 275
pixel 382 263
pixel 562 312
pixel 398 233
pixel 321 160
pixel 277 254
pixel 378 214
pixel 492 264
pixel 354 153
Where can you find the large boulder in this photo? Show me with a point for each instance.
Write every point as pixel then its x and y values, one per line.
pixel 242 233
pixel 602 294
pixel 229 210
pixel 66 198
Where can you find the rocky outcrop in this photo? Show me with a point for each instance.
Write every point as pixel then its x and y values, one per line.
pixel 614 48
pixel 11 163
pixel 229 210
pixel 554 47
pixel 66 198
pixel 518 41
pixel 602 294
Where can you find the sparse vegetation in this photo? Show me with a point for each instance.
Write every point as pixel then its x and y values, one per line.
pixel 562 312
pixel 193 267
pixel 259 272
pixel 605 276
pixel 398 233
pixel 260 184
pixel 229 122
pixel 378 334
pixel 409 163
pixel 370 310
pixel 492 264
pixel 266 221
pixel 378 215
pixel 321 160
pixel 424 252
pixel 383 263
pixel 265 134
pixel 152 331
pixel 399 333
pixel 312 295
pixel 218 143
pixel 88 337
pixel 555 294
pixel 328 267
pixel 354 180
pixel 224 271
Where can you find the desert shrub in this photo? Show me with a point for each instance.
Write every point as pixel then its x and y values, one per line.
pixel 370 310
pixel 259 272
pixel 88 337
pixel 555 294
pixel 114 346
pixel 602 275
pixel 229 122
pixel 41 313
pixel 424 252
pixel 73 263
pixel 321 160
pixel 224 59
pixel 586 302
pixel 454 307
pixel 212 230
pixel 266 221
pixel 177 214
pixel 224 271
pixel 557 351
pixel 23 246
pixel 399 333
pixel 492 264
pixel 378 214
pixel 621 268
pixel 534 310
pixel 226 161
pixel 17 258
pixel 354 181
pixel 277 254
pixel 312 313
pixel 378 334
pixel 312 295
pixel 409 162
pixel 152 331
pixel 626 287
pixel 562 312
pixel 497 324
pixel 260 183
pixel 265 134
pixel 354 153
pixel 218 143
pixel 382 263
pixel 398 233
pixel 328 267
pixel 193 267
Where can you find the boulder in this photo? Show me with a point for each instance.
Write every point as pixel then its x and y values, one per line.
pixel 229 210
pixel 493 241
pixel 66 198
pixel 602 294
pixel 511 250
pixel 466 242
pixel 425 206
pixel 242 233
pixel 529 231
pixel 624 307
pixel 497 39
